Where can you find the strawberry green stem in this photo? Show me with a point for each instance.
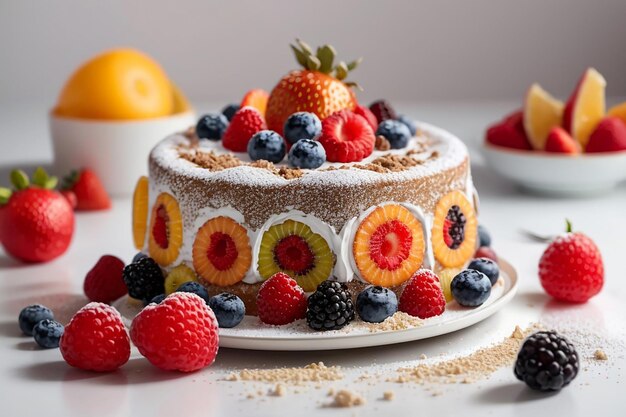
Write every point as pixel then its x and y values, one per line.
pixel 568 226
pixel 5 195
pixel 19 179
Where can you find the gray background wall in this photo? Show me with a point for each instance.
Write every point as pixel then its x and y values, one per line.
pixel 414 50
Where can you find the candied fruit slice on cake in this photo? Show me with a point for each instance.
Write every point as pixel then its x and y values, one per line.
pixel 140 212
pixel 389 246
pixel 454 230
pixel 166 230
pixel 293 248
pixel 177 276
pixel 221 252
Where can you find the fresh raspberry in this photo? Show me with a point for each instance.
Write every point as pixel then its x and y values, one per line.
pixel 382 110
pixel 96 339
pixel 179 334
pixel 280 300
pixel 609 136
pixel 571 268
pixel 104 282
pixel 422 297
pixel 245 123
pixel 368 115
pixel 486 252
pixel 347 137
pixel 559 141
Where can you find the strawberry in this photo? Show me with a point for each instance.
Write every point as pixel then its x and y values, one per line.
pixel 179 334
pixel 256 98
pixel 36 222
pixel 70 197
pixel 104 282
pixel 509 133
pixel 368 115
pixel 245 123
pixel 347 137
pixel 88 189
pixel 280 300
pixel 571 268
pixel 96 339
pixel 559 141
pixel 609 136
pixel 422 296
pixel 318 88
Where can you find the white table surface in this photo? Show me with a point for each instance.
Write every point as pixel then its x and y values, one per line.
pixel 38 383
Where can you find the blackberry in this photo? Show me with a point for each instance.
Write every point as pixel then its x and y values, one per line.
pixel 457 226
pixel 144 279
pixel 383 110
pixel 330 307
pixel 546 362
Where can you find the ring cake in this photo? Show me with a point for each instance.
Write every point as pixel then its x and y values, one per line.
pixel 375 218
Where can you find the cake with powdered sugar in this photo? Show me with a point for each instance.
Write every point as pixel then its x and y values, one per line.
pixel 307 182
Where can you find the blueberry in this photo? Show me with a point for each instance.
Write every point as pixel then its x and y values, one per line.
pixel 157 299
pixel 302 125
pixel 211 126
pixel 307 153
pixel 470 288
pixel 228 308
pixel 395 132
pixel 139 256
pixel 375 303
pixel 267 145
pixel 194 288
pixel 31 315
pixel 408 122
pixel 487 267
pixel 230 110
pixel 48 333
pixel 484 236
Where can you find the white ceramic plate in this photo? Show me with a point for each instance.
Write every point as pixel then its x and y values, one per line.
pixel 254 335
pixel 558 175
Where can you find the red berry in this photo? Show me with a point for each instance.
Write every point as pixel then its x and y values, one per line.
pixel 70 197
pixel 36 224
pixel 104 282
pixel 368 115
pixel 507 136
pixel 609 136
pixel 244 124
pixel 422 296
pixel 571 268
pixel 88 189
pixel 559 141
pixel 347 137
pixel 382 110
pixel 96 339
pixel 486 252
pixel 179 334
pixel 280 300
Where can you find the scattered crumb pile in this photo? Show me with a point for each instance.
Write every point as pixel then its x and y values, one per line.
pixel 599 355
pixel 344 398
pixel 279 391
pixel 314 372
pixel 467 369
pixel 399 321
pixel 389 395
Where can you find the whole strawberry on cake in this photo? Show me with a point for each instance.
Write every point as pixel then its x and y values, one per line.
pixel 303 203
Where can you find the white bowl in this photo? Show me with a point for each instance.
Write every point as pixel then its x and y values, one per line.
pixel 559 175
pixel 116 150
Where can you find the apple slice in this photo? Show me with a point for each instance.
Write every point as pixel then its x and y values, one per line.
pixel 542 112
pixel 586 107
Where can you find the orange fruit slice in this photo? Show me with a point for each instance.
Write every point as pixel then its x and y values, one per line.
pixel 454 230
pixel 541 113
pixel 120 84
pixel 166 230
pixel 180 102
pixel 586 107
pixel 140 212
pixel 256 98
pixel 618 111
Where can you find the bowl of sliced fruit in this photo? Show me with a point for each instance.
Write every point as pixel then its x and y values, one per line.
pixel 574 148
